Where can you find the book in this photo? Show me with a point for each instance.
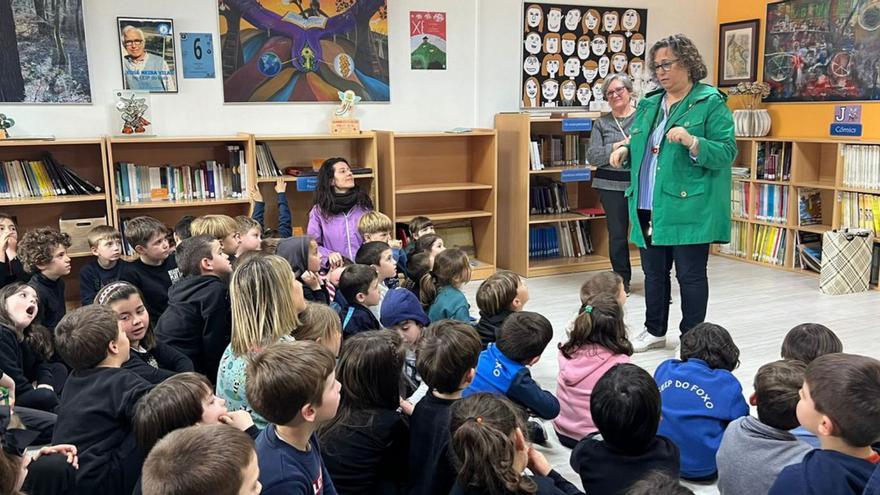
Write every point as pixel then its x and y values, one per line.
pixel 207 180
pixel 809 206
pixel 560 240
pixel 43 178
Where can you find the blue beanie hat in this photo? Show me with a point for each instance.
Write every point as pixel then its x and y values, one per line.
pixel 400 305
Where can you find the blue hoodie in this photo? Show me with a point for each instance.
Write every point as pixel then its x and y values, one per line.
pixel 697 404
pixel 498 374
pixel 825 472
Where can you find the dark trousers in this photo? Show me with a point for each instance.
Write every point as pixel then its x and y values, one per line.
pixel 690 269
pixel 35 420
pixel 50 475
pixel 617 213
pixel 38 398
pixel 566 440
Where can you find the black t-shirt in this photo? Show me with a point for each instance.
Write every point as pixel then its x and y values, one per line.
pixel 97 406
pixel 93 276
pixel 368 454
pixel 430 457
pixel 154 282
pixel 51 294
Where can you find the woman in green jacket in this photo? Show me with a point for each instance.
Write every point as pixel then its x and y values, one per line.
pixel 681 148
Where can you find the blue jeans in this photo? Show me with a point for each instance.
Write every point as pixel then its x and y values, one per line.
pixel 690 262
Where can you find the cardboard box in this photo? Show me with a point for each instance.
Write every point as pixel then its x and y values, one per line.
pixel 78 230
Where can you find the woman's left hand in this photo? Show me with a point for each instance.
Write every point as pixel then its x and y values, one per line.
pixel 680 135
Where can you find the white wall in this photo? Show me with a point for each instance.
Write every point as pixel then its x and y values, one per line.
pixel 482 76
pixel 420 100
pixel 499 37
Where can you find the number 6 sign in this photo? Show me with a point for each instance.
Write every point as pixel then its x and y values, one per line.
pixel 197 50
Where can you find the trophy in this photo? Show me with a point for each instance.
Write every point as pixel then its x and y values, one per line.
pixel 342 121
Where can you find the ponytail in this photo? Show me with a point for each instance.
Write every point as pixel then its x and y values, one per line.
pixel 482 428
pixel 448 270
pixel 599 322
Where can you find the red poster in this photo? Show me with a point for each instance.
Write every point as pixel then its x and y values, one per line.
pixel 427 31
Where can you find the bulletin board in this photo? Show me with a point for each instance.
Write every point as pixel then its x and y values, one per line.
pixel 568 50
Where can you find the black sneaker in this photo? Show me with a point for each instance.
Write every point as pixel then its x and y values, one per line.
pixel 536 433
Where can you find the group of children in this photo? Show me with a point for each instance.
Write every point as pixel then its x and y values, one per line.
pixel 340 362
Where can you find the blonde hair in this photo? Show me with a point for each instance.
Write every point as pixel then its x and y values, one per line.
pixel 374 222
pixel 103 233
pixel 246 223
pixel 261 296
pixel 216 226
pixel 319 322
pixel 497 292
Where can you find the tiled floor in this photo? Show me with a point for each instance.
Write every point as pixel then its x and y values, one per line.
pixel 757 305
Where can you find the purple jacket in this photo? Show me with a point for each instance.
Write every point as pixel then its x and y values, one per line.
pixel 336 233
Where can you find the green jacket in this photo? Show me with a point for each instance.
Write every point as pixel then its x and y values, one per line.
pixel 691 198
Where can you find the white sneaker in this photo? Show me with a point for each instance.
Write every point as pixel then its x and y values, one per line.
pixel 644 341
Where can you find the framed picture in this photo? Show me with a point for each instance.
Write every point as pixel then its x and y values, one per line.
pixel 822 50
pixel 738 52
pixel 147 54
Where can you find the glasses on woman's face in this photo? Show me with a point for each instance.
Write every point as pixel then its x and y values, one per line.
pixel 665 66
pixel 615 92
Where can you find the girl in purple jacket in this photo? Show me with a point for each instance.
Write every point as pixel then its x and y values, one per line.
pixel 339 205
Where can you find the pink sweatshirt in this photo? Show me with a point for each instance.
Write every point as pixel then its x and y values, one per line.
pixel 574 385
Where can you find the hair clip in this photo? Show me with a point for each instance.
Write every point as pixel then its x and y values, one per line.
pixel 587 309
pixel 478 419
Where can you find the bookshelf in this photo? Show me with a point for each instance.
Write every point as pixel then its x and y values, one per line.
pixel 309 151
pixel 175 152
pixel 515 132
pixel 818 171
pixel 86 158
pixel 447 177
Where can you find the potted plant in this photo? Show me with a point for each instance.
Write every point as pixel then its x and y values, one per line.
pixel 751 121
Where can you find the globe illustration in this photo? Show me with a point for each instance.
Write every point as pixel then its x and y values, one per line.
pixel 269 64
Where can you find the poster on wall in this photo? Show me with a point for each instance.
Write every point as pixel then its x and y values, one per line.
pixel 43 52
pixel 822 50
pixel 427 38
pixel 197 55
pixel 296 51
pixel 568 51
pixel 738 52
pixel 147 52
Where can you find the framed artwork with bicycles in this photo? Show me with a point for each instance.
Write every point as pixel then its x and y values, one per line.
pixel 822 50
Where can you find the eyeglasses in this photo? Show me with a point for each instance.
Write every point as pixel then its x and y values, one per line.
pixel 615 92
pixel 665 66
pixel 133 42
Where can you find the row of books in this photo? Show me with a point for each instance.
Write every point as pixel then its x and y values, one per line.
pixel 548 197
pixel 809 206
pixel 860 211
pixel 774 161
pixel 768 244
pixel 208 180
pixel 808 251
pixel 563 239
pixel 558 151
pixel 740 199
pixel 266 164
pixel 771 203
pixel 861 166
pixel 739 238
pixel 40 179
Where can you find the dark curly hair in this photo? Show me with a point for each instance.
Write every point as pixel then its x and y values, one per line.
pixel 711 343
pixel 37 247
pixel 324 195
pixel 686 52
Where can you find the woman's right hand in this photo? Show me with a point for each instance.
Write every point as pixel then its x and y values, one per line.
pixel 335 260
pixel 618 157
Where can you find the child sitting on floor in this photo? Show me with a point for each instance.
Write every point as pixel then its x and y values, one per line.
pixel 499 296
pixel 700 397
pixel 441 289
pixel 595 344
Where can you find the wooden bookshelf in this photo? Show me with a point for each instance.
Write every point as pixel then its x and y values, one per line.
pixel 87 158
pixel 446 177
pixel 310 151
pixel 816 163
pixel 176 151
pixel 515 131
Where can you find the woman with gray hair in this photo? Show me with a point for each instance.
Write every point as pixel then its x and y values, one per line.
pixel 681 148
pixel 610 132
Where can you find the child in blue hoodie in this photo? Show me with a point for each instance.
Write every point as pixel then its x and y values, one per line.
pixel 503 367
pixel 700 396
pixel 839 403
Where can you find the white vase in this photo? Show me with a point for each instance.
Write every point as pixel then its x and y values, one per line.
pixel 751 123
